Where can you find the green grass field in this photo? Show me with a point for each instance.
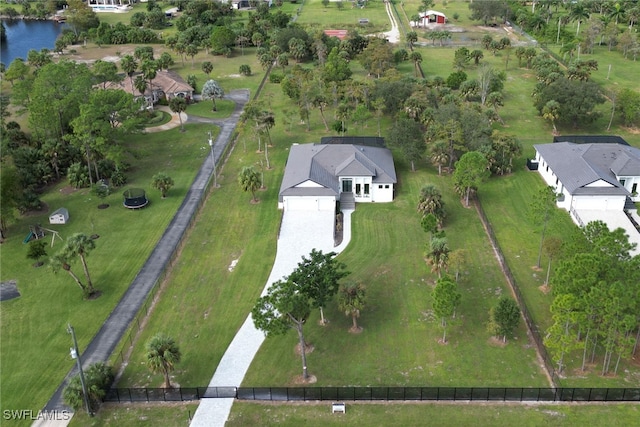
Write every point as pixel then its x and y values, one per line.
pixel 420 414
pixel 39 317
pixel 203 303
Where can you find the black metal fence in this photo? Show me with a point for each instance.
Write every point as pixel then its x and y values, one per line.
pixel 285 394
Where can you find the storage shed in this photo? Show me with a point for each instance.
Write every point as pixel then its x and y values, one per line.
pixel 60 216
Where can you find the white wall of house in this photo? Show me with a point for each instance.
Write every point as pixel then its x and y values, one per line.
pixel 606 203
pixel 308 203
pixel 365 191
pixel 551 179
pixel 632 184
pixel 382 193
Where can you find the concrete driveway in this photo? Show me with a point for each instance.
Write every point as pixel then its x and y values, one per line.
pixel 300 232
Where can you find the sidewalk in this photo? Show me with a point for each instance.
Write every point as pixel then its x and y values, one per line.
pixel 300 232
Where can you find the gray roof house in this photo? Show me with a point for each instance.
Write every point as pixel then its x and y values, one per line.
pixel 596 181
pixel 317 175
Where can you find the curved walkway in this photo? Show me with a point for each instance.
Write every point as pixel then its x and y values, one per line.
pixel 111 332
pixel 300 232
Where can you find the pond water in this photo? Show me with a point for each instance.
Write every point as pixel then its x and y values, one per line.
pixel 23 35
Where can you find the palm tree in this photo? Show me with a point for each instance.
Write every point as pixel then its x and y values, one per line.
pixel 80 245
pixel 60 261
pixel 149 71
pixel 412 37
pixel 351 299
pixel 477 55
pixel 129 66
pixel 578 13
pixel 438 254
pixel 431 202
pixel 551 112
pixel 439 155
pixel 140 83
pixel 416 57
pixel 297 49
pixel 178 105
pixel 162 182
pixel 207 67
pixel 162 355
pixel 249 180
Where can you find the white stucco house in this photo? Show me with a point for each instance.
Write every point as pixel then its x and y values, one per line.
pixel 595 181
pixel 318 175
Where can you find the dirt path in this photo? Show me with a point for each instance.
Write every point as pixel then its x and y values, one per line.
pixel 394 35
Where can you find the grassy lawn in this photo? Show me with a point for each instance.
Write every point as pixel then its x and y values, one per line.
pixel 440 414
pixel 39 317
pixel 315 15
pixel 217 300
pixel 224 108
pixel 203 303
pixel 399 345
pixel 139 414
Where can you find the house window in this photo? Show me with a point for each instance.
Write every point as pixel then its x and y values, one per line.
pixel 634 188
pixel 380 186
pixel 366 189
pixel 622 182
pixel 347 186
pixel 547 168
pixel 358 189
pixel 556 182
pixel 386 186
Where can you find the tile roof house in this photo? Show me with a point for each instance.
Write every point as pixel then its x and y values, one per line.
pixel 165 85
pixel 595 181
pixel 317 175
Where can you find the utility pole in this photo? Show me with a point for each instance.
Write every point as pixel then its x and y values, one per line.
pixel 75 354
pixel 213 160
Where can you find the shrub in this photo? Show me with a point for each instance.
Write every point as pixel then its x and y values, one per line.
pixel 245 70
pixel 455 79
pixel 78 175
pixel 276 77
pixel 29 201
pixel 98 379
pixel 118 178
pixel 192 81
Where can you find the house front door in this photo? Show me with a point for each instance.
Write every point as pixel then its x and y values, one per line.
pixel 347 186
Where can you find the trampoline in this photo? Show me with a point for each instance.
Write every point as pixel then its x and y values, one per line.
pixel 135 198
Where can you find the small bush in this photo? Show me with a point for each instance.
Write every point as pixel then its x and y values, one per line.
pixel 78 175
pixel 276 77
pixel 101 190
pixel 118 178
pixel 29 201
pixel 245 70
pixel 98 379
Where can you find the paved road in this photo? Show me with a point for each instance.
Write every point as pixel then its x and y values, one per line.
pixel 109 335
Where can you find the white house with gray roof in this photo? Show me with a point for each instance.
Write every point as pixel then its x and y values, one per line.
pixel 597 181
pixel 318 175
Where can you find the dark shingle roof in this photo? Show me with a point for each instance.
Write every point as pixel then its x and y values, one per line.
pixel 578 165
pixel 324 164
